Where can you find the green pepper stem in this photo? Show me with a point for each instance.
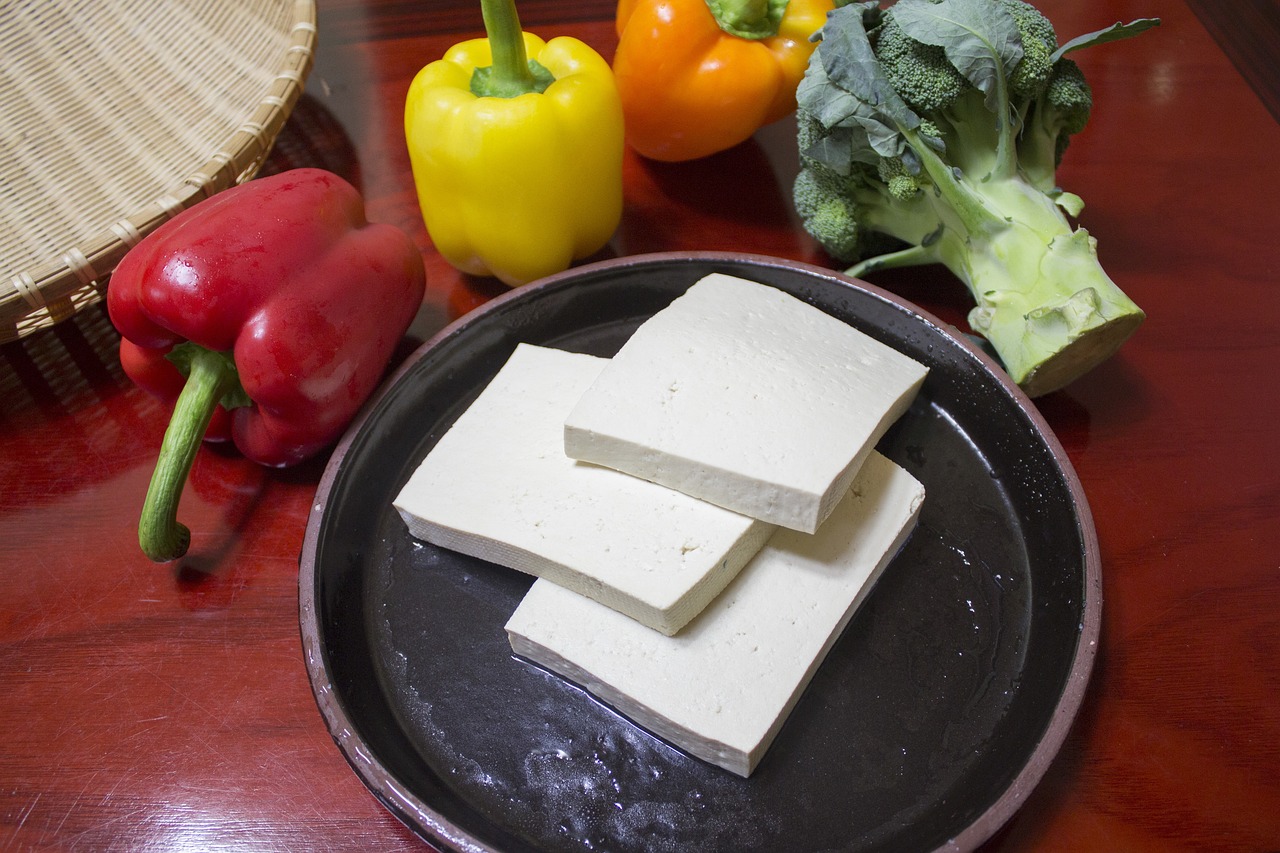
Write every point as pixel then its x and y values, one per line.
pixel 212 376
pixel 512 73
pixel 748 19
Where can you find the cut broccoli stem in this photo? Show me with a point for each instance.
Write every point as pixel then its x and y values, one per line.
pixel 1043 299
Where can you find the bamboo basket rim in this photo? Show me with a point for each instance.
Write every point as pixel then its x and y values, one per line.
pixel 54 260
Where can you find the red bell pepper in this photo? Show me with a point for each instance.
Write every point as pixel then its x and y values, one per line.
pixel 269 313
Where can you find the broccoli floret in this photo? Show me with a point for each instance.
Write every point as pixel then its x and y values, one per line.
pixel 1068 99
pixel 842 209
pixel 1038 44
pixel 918 72
pixel 898 180
pixel 827 206
pixel 1060 112
pixel 939 124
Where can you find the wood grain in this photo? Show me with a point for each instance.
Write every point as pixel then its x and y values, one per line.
pixel 1248 31
pixel 155 707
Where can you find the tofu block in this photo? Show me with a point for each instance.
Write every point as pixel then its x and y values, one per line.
pixel 723 687
pixel 746 397
pixel 498 486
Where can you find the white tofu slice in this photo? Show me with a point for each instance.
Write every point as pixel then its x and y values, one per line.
pixel 746 397
pixel 723 687
pixel 498 486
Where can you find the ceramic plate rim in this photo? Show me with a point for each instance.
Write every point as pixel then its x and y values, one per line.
pixel 419 816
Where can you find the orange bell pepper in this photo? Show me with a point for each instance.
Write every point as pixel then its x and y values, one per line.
pixel 694 82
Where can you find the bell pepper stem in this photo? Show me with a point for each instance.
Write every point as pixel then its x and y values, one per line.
pixel 512 73
pixel 212 376
pixel 748 19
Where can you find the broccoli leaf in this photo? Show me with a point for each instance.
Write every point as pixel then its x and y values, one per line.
pixel 842 115
pixel 833 151
pixel 830 104
pixel 849 62
pixel 1115 32
pixel 980 39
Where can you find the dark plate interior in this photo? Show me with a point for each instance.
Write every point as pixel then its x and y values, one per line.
pixel 931 719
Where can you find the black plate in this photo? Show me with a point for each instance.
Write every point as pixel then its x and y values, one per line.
pixel 928 724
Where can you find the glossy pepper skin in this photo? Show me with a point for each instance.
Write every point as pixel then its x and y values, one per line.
pixel 690 88
pixel 282 305
pixel 516 185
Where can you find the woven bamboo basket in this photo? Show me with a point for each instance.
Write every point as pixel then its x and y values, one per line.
pixel 115 115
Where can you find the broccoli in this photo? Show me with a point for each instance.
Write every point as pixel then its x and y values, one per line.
pixel 931 132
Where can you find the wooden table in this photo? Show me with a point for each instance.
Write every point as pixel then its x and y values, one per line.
pixel 166 707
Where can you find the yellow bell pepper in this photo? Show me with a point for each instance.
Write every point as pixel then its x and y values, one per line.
pixel 516 146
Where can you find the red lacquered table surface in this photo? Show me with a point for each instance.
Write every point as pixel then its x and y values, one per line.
pixel 166 707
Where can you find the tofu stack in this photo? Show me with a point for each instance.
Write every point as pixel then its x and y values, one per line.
pixel 746 397
pixel 705 511
pixel 499 486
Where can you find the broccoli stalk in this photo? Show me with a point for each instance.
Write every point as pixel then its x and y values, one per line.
pixel 930 133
